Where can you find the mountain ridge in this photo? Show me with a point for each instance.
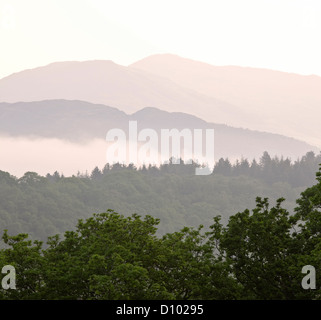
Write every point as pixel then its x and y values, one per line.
pixel 108 83
pixel 273 100
pixel 78 121
pixel 245 97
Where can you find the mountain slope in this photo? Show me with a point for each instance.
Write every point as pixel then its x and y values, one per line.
pixel 273 101
pixel 257 99
pixel 81 122
pixel 105 82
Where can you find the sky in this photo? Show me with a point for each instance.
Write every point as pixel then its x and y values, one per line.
pixel 275 34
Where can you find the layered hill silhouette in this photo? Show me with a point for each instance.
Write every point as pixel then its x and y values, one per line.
pixel 273 101
pixel 105 82
pixel 80 122
pixel 252 98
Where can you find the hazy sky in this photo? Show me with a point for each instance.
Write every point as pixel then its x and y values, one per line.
pixel 276 34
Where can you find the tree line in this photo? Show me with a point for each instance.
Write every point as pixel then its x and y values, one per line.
pixel 52 204
pixel 297 173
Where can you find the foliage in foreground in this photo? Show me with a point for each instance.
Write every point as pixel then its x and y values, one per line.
pixel 259 254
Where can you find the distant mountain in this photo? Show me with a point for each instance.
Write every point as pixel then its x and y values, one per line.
pixel 257 99
pixel 272 101
pixel 81 122
pixel 105 82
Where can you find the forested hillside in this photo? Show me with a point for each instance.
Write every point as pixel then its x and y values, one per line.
pixel 259 254
pixel 46 205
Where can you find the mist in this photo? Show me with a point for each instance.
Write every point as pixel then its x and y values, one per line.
pixel 20 155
